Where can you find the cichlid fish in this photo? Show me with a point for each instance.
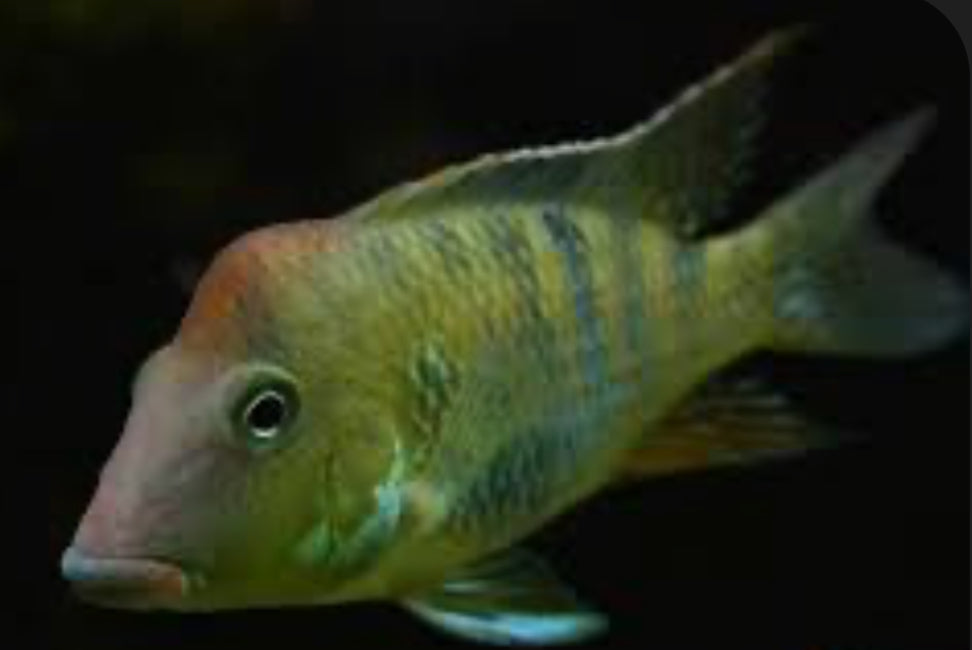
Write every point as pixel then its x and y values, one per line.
pixel 380 406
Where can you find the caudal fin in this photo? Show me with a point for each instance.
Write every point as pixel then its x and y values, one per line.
pixel 844 287
pixel 874 298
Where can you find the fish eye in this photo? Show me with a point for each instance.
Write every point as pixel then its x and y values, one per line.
pixel 265 413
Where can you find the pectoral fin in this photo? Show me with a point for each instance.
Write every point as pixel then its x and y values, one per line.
pixel 509 599
pixel 724 423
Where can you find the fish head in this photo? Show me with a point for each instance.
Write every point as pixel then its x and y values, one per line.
pixel 247 474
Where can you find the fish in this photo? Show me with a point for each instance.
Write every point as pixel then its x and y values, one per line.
pixel 385 405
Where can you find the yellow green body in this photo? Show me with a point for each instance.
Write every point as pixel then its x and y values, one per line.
pixel 514 386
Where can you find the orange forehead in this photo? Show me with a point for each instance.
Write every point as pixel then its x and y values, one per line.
pixel 234 296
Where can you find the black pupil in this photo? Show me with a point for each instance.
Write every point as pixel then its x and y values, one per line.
pixel 267 412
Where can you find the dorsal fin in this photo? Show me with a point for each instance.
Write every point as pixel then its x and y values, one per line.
pixel 680 168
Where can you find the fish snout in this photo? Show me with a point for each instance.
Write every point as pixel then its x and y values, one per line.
pixel 133 583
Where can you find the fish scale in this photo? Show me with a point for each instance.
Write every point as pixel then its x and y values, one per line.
pixel 536 452
pixel 510 247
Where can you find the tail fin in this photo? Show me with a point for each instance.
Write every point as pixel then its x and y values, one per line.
pixel 874 298
pixel 843 287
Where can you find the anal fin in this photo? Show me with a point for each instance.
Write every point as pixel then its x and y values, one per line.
pixel 724 423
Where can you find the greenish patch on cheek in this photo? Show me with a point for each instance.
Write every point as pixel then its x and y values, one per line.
pixel 379 528
pixel 317 546
pixel 321 546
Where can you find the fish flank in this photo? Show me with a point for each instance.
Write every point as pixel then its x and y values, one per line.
pixel 533 332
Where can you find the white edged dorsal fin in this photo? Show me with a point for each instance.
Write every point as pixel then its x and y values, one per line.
pixel 680 168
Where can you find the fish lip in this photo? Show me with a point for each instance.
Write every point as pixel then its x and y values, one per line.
pixel 124 582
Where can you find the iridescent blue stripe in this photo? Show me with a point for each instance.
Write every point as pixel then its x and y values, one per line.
pixel 569 242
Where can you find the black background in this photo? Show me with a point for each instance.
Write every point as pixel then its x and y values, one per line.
pixel 146 135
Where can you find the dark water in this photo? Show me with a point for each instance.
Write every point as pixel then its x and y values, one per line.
pixel 146 136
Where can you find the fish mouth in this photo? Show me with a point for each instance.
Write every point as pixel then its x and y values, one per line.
pixel 130 583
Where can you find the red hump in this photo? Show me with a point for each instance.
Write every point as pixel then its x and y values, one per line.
pixel 235 297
